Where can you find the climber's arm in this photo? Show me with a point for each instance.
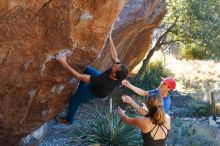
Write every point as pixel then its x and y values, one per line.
pixel 114 55
pixel 82 77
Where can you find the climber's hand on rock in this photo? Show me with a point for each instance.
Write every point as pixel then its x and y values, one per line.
pixel 61 58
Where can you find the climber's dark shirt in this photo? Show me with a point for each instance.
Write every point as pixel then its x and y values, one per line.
pixel 102 85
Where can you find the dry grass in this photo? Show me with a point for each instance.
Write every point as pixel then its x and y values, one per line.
pixel 195 77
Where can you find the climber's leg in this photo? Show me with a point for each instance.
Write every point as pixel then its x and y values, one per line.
pixel 82 96
pixel 89 71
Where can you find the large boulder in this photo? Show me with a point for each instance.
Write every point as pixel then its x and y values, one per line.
pixel 133 32
pixel 34 87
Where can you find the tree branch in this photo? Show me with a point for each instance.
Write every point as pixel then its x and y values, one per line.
pixel 157 46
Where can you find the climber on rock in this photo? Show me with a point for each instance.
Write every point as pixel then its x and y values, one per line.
pixel 166 85
pixel 93 84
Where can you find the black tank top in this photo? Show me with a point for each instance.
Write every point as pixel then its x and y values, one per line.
pixel 149 140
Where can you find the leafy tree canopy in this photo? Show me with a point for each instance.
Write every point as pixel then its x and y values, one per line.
pixel 198 24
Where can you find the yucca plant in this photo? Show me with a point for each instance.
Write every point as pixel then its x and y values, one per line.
pixel 106 130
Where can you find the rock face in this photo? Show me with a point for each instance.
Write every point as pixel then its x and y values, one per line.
pixel 133 31
pixel 34 87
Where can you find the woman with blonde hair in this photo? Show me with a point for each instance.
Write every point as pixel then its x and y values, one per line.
pixel 154 124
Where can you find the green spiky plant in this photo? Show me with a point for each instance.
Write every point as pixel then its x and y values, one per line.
pixel 105 129
pixel 151 78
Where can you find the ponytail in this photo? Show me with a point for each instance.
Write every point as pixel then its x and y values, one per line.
pixel 156 111
pixel 159 116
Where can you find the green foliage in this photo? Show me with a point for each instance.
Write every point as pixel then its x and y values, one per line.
pixel 201 108
pixel 106 129
pixel 150 79
pixel 207 19
pixel 190 52
pixel 197 26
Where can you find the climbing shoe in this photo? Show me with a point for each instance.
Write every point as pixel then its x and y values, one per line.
pixel 63 120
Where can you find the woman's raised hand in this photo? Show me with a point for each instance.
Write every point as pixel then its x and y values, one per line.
pixel 127 99
pixel 126 83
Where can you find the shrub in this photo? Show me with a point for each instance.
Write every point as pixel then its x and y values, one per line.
pixel 201 108
pixel 107 130
pixel 150 79
pixel 186 133
pixel 193 52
